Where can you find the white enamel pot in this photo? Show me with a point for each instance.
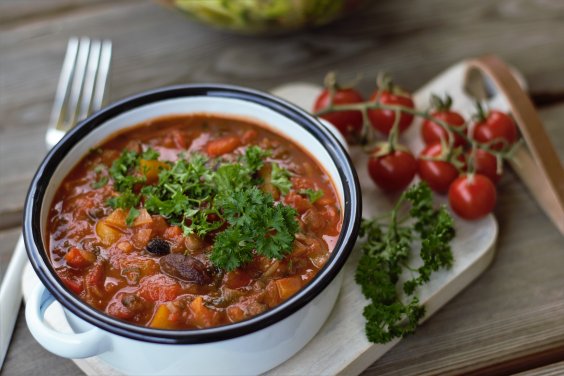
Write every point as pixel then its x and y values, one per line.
pixel 252 346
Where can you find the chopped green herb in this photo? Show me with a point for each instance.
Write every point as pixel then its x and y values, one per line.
pixel 122 171
pixel 150 154
pixel 280 178
pixel 254 158
pixel 202 195
pixel 133 213
pixel 312 195
pixel 101 182
pixel 232 177
pixel 126 200
pixel 385 255
pixel 99 168
pixel 256 223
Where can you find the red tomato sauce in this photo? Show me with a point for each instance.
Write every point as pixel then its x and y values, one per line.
pixel 106 262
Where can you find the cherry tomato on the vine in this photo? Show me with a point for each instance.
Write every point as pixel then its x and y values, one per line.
pixel 486 164
pixel 472 196
pixel 496 125
pixel 392 171
pixel 433 132
pixel 382 119
pixel 349 123
pixel 438 174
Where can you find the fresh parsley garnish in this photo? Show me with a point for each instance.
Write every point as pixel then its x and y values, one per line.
pixel 258 224
pixel 101 180
pixel 254 158
pixel 312 194
pixel 202 195
pixel 133 213
pixel 280 178
pixel 150 154
pixel 126 200
pixel 121 171
pixel 385 255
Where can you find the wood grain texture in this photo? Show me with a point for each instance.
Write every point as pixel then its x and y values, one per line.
pixel 512 312
pixel 555 369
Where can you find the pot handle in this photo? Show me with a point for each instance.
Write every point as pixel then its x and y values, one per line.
pixel 67 345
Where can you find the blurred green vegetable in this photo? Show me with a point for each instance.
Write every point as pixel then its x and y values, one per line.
pixel 264 16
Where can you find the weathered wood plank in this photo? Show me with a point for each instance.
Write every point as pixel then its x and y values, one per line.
pixel 555 369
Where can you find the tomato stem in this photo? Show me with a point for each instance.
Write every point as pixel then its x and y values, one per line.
pixel 368 136
pixel 394 132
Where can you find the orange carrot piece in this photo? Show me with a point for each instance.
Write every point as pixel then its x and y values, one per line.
pixel 288 286
pixel 223 145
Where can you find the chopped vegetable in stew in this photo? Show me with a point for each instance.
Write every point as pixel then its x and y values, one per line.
pixel 191 222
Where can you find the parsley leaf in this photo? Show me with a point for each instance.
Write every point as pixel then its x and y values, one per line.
pixel 101 182
pixel 385 254
pixel 312 195
pixel 258 224
pixel 121 171
pixel 254 158
pixel 150 154
pixel 133 213
pixel 126 200
pixel 231 178
pixel 181 193
pixel 280 178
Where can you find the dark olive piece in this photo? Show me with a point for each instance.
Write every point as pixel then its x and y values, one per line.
pixel 185 268
pixel 158 246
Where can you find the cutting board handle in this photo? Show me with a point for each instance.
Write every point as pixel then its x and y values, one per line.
pixel 537 165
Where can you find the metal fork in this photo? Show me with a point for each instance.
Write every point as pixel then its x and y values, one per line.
pixel 82 85
pixel 81 90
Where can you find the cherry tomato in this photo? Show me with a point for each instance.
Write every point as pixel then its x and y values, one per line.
pixel 392 171
pixel 486 164
pixel 383 120
pixel 349 123
pixel 496 125
pixel 472 197
pixel 438 174
pixel 433 132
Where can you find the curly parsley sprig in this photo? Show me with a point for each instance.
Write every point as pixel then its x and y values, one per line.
pixel 385 255
pixel 202 195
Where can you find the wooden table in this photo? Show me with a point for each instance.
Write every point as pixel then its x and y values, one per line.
pixel 510 319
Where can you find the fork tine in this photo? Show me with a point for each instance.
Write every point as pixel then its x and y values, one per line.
pixel 62 93
pixel 89 80
pixel 82 85
pixel 100 87
pixel 77 82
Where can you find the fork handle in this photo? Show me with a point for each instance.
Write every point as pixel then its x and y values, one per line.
pixel 11 297
pixel 539 167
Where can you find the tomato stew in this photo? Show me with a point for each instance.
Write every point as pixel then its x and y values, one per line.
pixel 132 235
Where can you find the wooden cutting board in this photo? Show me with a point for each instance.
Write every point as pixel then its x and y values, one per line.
pixel 341 347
